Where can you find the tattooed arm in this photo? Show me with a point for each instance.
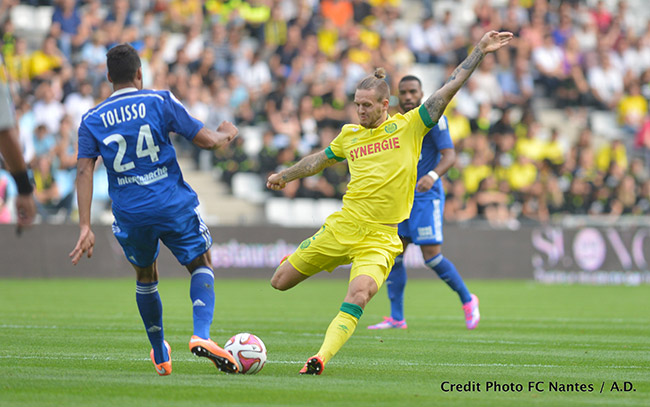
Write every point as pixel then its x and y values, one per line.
pixel 309 165
pixel 490 42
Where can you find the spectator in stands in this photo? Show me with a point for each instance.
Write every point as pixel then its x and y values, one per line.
pixel 614 151
pixel 49 200
pixel 516 82
pixel 47 109
pixel 458 206
pixel 548 60
pixel 234 160
pixel 120 14
pixel 487 89
pixel 44 143
pixel 642 206
pixel 255 74
pixel 554 149
pixel 275 29
pixel 534 204
pixel 420 36
pixel 532 36
pixel 553 196
pixel 602 16
pixel 586 168
pixel 603 52
pixel 564 30
pixel 522 175
pixel 466 104
pixel 531 145
pixel 601 202
pixel 79 102
pixel 308 123
pixel 18 62
pixel 46 61
pixel 476 172
pixel 284 120
pixel 66 20
pixel 625 198
pixel 578 198
pixel 94 54
pixel 629 58
pixel 72 82
pixel 491 203
pixel 574 88
pixel 606 83
pixel 401 55
pixel 460 123
pixel 26 126
pixel 339 12
pixel 638 171
pixel 632 108
pixel 332 107
pixel 221 48
pixel 268 155
pixel 642 141
pixel 183 14
pixel 194 43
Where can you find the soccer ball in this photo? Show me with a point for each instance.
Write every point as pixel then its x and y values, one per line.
pixel 249 352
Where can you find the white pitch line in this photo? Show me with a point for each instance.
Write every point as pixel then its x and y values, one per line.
pixel 373 338
pixel 10 326
pixel 292 362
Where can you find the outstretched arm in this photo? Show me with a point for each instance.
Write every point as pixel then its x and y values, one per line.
pixel 309 165
pixel 490 42
pixel 211 140
pixel 86 241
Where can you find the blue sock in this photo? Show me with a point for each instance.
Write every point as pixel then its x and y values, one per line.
pixel 395 284
pixel 448 273
pixel 202 295
pixel 150 307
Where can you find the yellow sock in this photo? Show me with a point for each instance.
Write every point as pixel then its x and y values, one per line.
pixel 340 330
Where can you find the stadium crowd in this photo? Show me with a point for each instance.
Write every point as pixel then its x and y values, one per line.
pixel 289 67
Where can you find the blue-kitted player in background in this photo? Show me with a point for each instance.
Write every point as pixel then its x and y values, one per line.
pixel 151 201
pixel 424 226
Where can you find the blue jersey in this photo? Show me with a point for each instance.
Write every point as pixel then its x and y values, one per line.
pixel 130 130
pixel 436 139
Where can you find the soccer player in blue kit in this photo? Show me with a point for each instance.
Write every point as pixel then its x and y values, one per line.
pixel 424 225
pixel 150 200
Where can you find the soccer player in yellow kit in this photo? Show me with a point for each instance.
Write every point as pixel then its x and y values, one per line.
pixel 11 152
pixel 382 154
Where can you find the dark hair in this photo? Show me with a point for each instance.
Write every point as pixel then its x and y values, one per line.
pixel 409 78
pixel 376 82
pixel 123 62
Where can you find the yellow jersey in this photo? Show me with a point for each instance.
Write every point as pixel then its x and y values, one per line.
pixel 383 165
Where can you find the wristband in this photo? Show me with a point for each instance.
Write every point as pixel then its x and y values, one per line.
pixel 433 175
pixel 22 182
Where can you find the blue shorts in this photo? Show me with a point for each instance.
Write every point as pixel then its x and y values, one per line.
pixel 424 226
pixel 185 235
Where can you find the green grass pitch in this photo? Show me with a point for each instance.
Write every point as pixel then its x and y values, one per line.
pixel 81 343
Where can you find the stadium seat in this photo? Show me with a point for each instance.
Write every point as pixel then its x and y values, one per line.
pixel 253 142
pixel 604 124
pixel 432 76
pixel 32 20
pixel 248 186
pixel 278 211
pixel 299 212
pixel 325 207
pixel 303 212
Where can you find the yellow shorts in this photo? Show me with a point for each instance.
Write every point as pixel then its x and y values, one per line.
pixel 371 248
